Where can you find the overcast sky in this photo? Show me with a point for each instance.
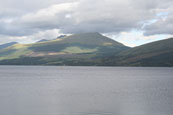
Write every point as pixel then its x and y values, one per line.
pixel 132 22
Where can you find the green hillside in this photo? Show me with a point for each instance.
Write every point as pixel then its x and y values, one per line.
pixel 159 53
pixel 88 49
pixel 84 48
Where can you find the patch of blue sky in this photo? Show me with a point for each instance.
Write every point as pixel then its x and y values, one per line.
pixel 149 22
pixel 136 38
pixel 162 14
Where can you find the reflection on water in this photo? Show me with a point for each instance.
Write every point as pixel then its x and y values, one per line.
pixel 85 91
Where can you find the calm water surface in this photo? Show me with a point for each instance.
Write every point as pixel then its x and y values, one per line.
pixel 36 90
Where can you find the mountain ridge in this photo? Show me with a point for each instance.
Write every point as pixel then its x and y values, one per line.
pixel 88 49
pixel 158 53
pixel 76 48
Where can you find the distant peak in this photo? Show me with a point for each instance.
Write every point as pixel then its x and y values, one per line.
pixel 10 43
pixel 2 46
pixel 43 40
pixel 61 36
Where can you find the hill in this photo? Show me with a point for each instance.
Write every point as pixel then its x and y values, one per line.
pixel 78 49
pixel 7 45
pixel 88 49
pixel 43 40
pixel 159 53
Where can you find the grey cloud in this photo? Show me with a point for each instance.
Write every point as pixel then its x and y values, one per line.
pixel 162 26
pixel 101 16
pixel 105 16
pixel 29 5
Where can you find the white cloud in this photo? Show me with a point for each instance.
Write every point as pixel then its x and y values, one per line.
pixel 49 13
pixel 48 34
pixel 136 38
pixel 23 18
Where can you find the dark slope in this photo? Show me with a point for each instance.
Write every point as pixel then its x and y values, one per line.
pixel 159 53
